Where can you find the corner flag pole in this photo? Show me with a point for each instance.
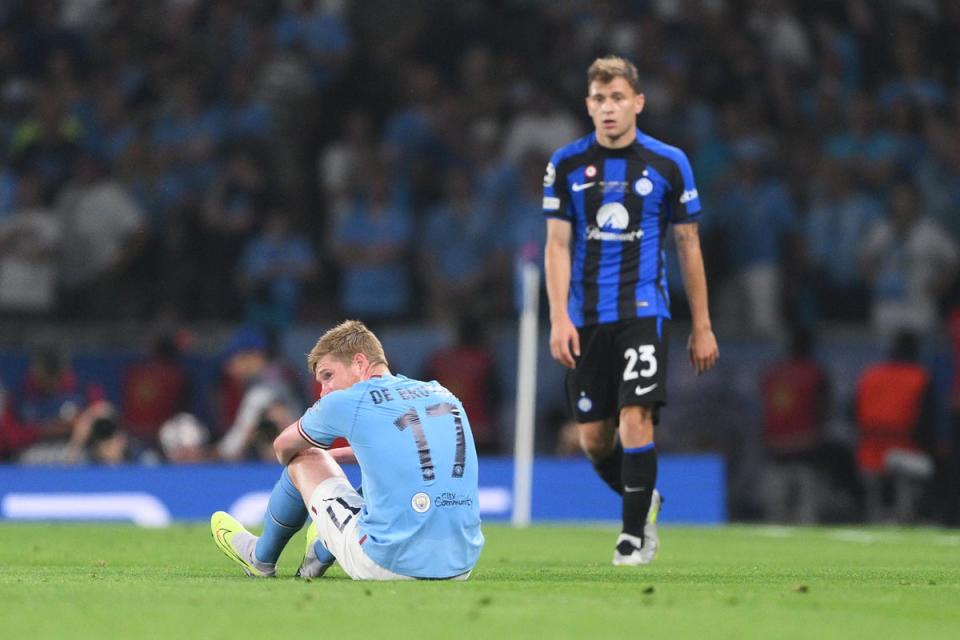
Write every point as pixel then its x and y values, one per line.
pixel 526 397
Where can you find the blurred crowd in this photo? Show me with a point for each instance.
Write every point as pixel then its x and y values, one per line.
pixel 285 160
pixel 273 162
pixel 902 461
pixel 167 409
pixel 54 417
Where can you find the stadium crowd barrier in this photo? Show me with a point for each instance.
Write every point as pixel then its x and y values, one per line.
pixel 155 496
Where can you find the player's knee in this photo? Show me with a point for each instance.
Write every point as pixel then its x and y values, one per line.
pixel 636 425
pixel 637 416
pixel 294 468
pixel 596 444
pixel 300 464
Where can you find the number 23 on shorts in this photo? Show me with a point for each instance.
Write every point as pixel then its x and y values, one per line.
pixel 645 356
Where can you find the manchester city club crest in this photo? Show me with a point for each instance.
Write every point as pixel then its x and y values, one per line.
pixel 420 502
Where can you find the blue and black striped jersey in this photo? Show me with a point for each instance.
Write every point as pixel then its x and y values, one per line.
pixel 620 203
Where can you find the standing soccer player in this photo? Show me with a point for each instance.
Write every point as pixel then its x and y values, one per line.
pixel 608 199
pixel 419 516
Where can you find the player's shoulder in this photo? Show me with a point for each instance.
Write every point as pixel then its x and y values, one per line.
pixel 391 382
pixel 338 400
pixel 573 149
pixel 658 147
pixel 404 381
pixel 420 389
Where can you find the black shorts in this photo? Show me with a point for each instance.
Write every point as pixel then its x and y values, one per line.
pixel 621 364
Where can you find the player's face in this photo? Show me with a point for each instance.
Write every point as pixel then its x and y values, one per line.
pixel 334 374
pixel 614 106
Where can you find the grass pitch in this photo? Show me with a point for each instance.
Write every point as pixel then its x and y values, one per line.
pixel 100 581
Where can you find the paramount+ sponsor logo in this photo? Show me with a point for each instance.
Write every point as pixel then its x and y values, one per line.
pixel 612 222
pixel 595 233
pixel 449 499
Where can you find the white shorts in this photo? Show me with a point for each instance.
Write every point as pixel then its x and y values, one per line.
pixel 335 507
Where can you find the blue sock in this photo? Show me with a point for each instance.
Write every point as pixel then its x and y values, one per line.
pixel 323 555
pixel 286 514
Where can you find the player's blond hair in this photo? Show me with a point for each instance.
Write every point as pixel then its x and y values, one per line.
pixel 345 341
pixel 607 68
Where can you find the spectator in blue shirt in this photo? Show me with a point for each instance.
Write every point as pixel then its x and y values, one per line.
pixel 276 265
pixel 373 247
pixel 839 218
pixel 757 217
pixel 461 250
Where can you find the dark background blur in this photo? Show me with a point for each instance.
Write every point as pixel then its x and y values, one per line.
pixel 173 170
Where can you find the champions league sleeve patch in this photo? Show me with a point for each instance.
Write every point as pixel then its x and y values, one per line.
pixel 550 176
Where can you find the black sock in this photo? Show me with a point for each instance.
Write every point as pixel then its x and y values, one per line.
pixel 610 469
pixel 639 480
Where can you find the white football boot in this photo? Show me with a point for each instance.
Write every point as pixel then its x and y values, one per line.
pixel 631 550
pixel 312 566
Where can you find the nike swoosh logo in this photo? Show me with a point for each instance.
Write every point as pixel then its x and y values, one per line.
pixel 580 187
pixel 643 390
pixel 221 536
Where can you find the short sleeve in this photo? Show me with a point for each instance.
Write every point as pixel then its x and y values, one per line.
pixel 555 196
pixel 686 200
pixel 329 418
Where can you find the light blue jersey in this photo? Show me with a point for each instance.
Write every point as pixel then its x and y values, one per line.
pixel 418 463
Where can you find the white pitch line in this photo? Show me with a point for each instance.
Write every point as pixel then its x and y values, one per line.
pixel 776 531
pixel 855 535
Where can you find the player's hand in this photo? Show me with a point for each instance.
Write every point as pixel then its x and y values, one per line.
pixel 564 342
pixel 703 350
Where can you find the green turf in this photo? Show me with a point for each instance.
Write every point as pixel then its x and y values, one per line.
pixel 100 581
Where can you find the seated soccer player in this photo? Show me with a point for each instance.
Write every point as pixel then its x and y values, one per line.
pixel 419 516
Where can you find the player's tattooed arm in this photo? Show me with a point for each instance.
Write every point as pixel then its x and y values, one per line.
pixel 564 338
pixel 702 345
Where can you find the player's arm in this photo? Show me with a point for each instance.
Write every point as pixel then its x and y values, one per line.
pixel 702 345
pixel 319 427
pixel 343 455
pixel 289 443
pixel 564 338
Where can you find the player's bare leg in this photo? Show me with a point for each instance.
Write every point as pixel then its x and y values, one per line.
pixel 638 542
pixel 311 467
pixel 599 442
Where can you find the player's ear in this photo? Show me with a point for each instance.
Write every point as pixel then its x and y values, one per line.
pixel 360 362
pixel 638 103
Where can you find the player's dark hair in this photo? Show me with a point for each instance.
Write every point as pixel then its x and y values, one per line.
pixel 607 68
